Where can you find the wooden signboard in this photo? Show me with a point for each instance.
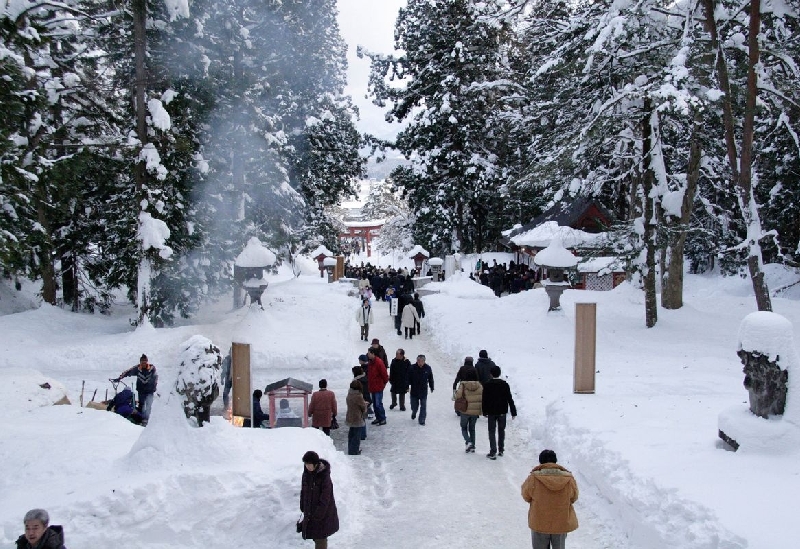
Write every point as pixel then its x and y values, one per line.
pixel 338 271
pixel 585 347
pixel 242 400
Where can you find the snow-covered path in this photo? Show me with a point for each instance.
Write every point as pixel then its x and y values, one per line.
pixel 426 487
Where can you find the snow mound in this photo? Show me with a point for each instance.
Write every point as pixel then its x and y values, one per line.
pixel 459 285
pixel 255 255
pixel 26 390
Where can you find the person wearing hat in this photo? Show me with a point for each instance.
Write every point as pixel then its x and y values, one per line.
pixel 146 384
pixel 38 532
pixel 551 491
pixel 364 317
pixel 380 351
pixel 317 503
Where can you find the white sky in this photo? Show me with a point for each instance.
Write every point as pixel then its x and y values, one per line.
pixel 368 23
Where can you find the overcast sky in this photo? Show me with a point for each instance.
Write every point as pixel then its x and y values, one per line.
pixel 368 23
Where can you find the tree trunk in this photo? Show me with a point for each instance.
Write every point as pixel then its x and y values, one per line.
pixel 69 281
pixel 672 290
pixel 140 170
pixel 741 170
pixel 648 207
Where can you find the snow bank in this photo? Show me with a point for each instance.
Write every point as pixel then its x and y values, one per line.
pixel 461 286
pixel 23 389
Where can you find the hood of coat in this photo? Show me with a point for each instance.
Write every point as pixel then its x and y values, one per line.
pixel 354 392
pixel 552 476
pixel 472 386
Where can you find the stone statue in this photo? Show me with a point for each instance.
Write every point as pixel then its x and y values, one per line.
pixel 765 383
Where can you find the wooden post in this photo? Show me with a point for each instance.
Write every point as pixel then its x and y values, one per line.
pixel 241 390
pixel 585 347
pixel 339 271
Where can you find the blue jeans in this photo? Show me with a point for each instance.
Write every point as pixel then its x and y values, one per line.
pixel 377 405
pixel 420 403
pixel 354 441
pixel 497 423
pixel 363 432
pixel 468 428
pixel 145 403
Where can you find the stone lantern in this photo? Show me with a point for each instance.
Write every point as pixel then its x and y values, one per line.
pixel 329 264
pixel 249 272
pixel 320 253
pixel 419 255
pixel 556 259
pixel 435 263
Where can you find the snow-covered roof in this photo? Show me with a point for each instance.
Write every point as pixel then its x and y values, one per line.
pixel 372 223
pixel 542 235
pixel 321 250
pixel 329 261
pixel 418 250
pixel 600 264
pixel 436 261
pixel 255 255
pixel 555 256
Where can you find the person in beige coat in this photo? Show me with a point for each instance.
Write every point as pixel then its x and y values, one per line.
pixel 409 320
pixel 472 389
pixel 354 419
pixel 551 491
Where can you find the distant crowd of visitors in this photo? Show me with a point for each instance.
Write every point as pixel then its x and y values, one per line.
pixel 501 278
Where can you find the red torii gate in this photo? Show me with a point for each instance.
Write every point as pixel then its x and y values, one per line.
pixel 364 231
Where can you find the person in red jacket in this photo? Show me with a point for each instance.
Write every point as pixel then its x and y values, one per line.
pixel 377 378
pixel 322 408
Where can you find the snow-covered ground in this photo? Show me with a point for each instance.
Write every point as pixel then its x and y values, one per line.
pixel 644 447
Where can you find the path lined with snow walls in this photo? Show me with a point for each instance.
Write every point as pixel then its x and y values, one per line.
pixel 646 442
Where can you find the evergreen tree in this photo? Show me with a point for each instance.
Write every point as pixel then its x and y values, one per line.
pixel 453 73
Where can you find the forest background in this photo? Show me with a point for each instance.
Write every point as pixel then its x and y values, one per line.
pixel 143 143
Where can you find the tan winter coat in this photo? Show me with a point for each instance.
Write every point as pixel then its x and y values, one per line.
pixel 473 390
pixel 551 490
pixel 356 408
pixel 322 408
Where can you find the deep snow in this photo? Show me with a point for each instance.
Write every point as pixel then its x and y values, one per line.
pixel 644 447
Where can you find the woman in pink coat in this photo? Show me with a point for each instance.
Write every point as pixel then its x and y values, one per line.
pixel 322 408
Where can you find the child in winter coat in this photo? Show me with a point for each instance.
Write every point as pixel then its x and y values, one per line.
pixel 364 317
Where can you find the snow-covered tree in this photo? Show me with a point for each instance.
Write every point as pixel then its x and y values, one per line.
pixel 198 377
pixel 452 76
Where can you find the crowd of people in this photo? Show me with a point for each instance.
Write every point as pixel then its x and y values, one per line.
pixel 501 278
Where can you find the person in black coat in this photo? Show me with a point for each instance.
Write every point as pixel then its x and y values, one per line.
pixel 496 403
pixel 417 302
pixel 420 379
pixel 483 366
pixel 259 416
pixel 320 517
pixel 398 378
pixel 38 532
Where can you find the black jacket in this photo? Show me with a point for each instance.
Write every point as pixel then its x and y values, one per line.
pixel 497 398
pixel 417 303
pixel 53 538
pixel 320 516
pixel 399 374
pixel 483 366
pixel 420 379
pixel 461 375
